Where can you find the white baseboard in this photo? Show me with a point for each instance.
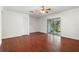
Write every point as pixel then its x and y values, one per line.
pixel 70 37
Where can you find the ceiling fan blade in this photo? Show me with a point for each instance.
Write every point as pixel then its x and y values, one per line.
pixel 48 9
pixel 34 11
pixel 42 8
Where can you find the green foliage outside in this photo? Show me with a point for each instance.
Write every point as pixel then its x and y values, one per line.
pixel 55 26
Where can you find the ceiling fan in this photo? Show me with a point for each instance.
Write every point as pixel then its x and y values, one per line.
pixel 43 9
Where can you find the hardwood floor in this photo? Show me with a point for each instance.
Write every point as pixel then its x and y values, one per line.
pixel 37 42
pixel 69 45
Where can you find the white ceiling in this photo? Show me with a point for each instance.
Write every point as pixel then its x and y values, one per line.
pixel 26 9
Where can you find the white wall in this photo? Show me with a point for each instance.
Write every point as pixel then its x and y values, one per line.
pixel 69 23
pixel 34 24
pixel 43 24
pixel 0 24
pixel 14 24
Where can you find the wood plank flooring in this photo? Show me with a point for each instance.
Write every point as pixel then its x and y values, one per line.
pixel 37 42
pixel 69 45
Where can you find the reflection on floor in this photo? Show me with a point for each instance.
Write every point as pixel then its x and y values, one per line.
pixel 69 45
pixel 38 42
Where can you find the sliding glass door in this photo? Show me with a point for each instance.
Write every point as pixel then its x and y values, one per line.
pixel 54 29
pixel 53 26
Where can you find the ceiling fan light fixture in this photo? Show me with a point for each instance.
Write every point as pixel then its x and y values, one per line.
pixel 42 11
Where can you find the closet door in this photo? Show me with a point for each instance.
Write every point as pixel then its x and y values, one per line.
pixel 26 24
pixel 0 25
